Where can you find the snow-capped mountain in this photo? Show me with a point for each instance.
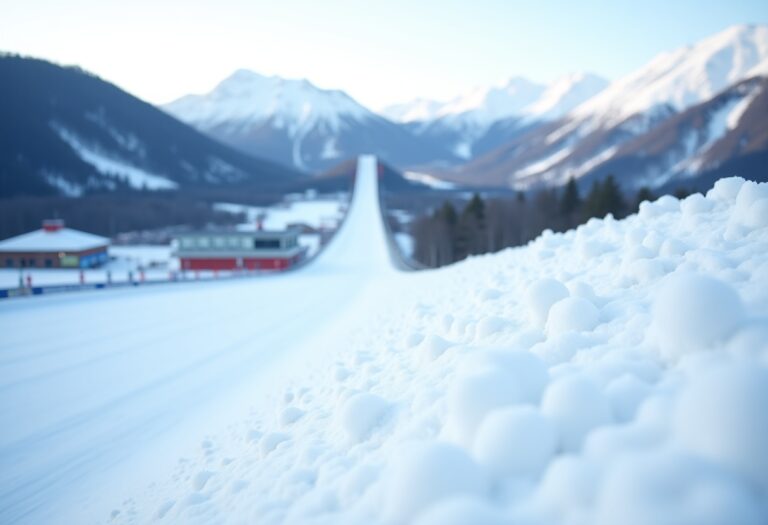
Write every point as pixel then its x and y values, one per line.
pixel 593 137
pixel 684 77
pixel 68 132
pixel 296 123
pixel 564 94
pixel 487 117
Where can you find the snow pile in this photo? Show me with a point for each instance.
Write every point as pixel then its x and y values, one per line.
pixel 613 374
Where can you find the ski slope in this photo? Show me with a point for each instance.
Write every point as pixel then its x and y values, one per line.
pixel 617 373
pixel 87 379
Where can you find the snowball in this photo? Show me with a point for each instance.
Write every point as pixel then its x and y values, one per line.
pixel 572 314
pixel 540 297
pixel 569 482
pixel 361 414
pixel 475 394
pixel 725 189
pixel 490 325
pixel 433 346
pixel 463 510
pixel 756 215
pixel 722 414
pixel 626 393
pixel 576 406
pixel 290 415
pixel 694 312
pixel 751 340
pixel 583 290
pixel 695 204
pixel 668 488
pixel 427 473
pixel 525 370
pixel 750 193
pixel 516 441
pixel 646 270
pixel 672 247
pixel 653 241
pixel 269 442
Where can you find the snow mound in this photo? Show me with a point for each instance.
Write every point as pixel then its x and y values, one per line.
pixel 428 473
pixel 362 413
pixel 694 312
pixel 515 441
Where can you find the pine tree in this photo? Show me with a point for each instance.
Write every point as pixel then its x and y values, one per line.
pixel 570 202
pixel 643 194
pixel 612 198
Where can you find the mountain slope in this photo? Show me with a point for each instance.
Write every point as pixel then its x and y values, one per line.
pixel 296 123
pixel 485 118
pixel 607 130
pixel 65 131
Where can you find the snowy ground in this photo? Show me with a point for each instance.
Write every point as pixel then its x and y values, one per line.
pixel 315 212
pixel 615 374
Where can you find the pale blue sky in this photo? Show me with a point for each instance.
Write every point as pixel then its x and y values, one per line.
pixel 380 52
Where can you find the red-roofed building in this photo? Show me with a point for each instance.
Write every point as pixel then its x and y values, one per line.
pixel 54 246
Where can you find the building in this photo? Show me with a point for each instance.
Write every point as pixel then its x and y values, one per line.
pixel 254 250
pixel 54 246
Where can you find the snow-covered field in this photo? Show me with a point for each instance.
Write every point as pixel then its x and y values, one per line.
pixel 613 374
pixel 316 212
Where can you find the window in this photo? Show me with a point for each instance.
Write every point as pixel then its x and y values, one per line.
pixel 203 242
pixel 48 263
pixel 219 242
pixel 266 243
pixel 187 242
pixel 32 263
pixel 234 242
pixel 9 263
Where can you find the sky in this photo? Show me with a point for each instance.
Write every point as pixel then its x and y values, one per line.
pixel 380 52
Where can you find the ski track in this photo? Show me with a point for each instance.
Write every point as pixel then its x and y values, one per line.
pixel 83 393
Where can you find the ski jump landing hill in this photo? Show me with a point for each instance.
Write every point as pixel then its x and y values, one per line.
pixel 86 379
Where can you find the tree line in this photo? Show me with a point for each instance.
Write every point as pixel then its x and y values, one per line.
pixel 454 231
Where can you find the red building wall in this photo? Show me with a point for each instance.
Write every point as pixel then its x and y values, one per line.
pixel 231 264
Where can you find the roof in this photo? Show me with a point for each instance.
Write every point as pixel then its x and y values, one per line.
pixel 256 234
pixel 63 240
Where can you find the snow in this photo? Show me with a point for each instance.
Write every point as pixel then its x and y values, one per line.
pixel 426 473
pixel 348 392
pixel 113 167
pixel 683 77
pixel 713 409
pixel 124 265
pixel 564 94
pixel 248 98
pixel 541 295
pixel 577 406
pixel 316 213
pixel 572 314
pixel 518 97
pixel 694 312
pixel 515 441
pixel 428 180
pixel 544 164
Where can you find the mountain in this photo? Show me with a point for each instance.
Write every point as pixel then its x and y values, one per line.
pixel 635 112
pixel 485 118
pixel 67 132
pixel 298 124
